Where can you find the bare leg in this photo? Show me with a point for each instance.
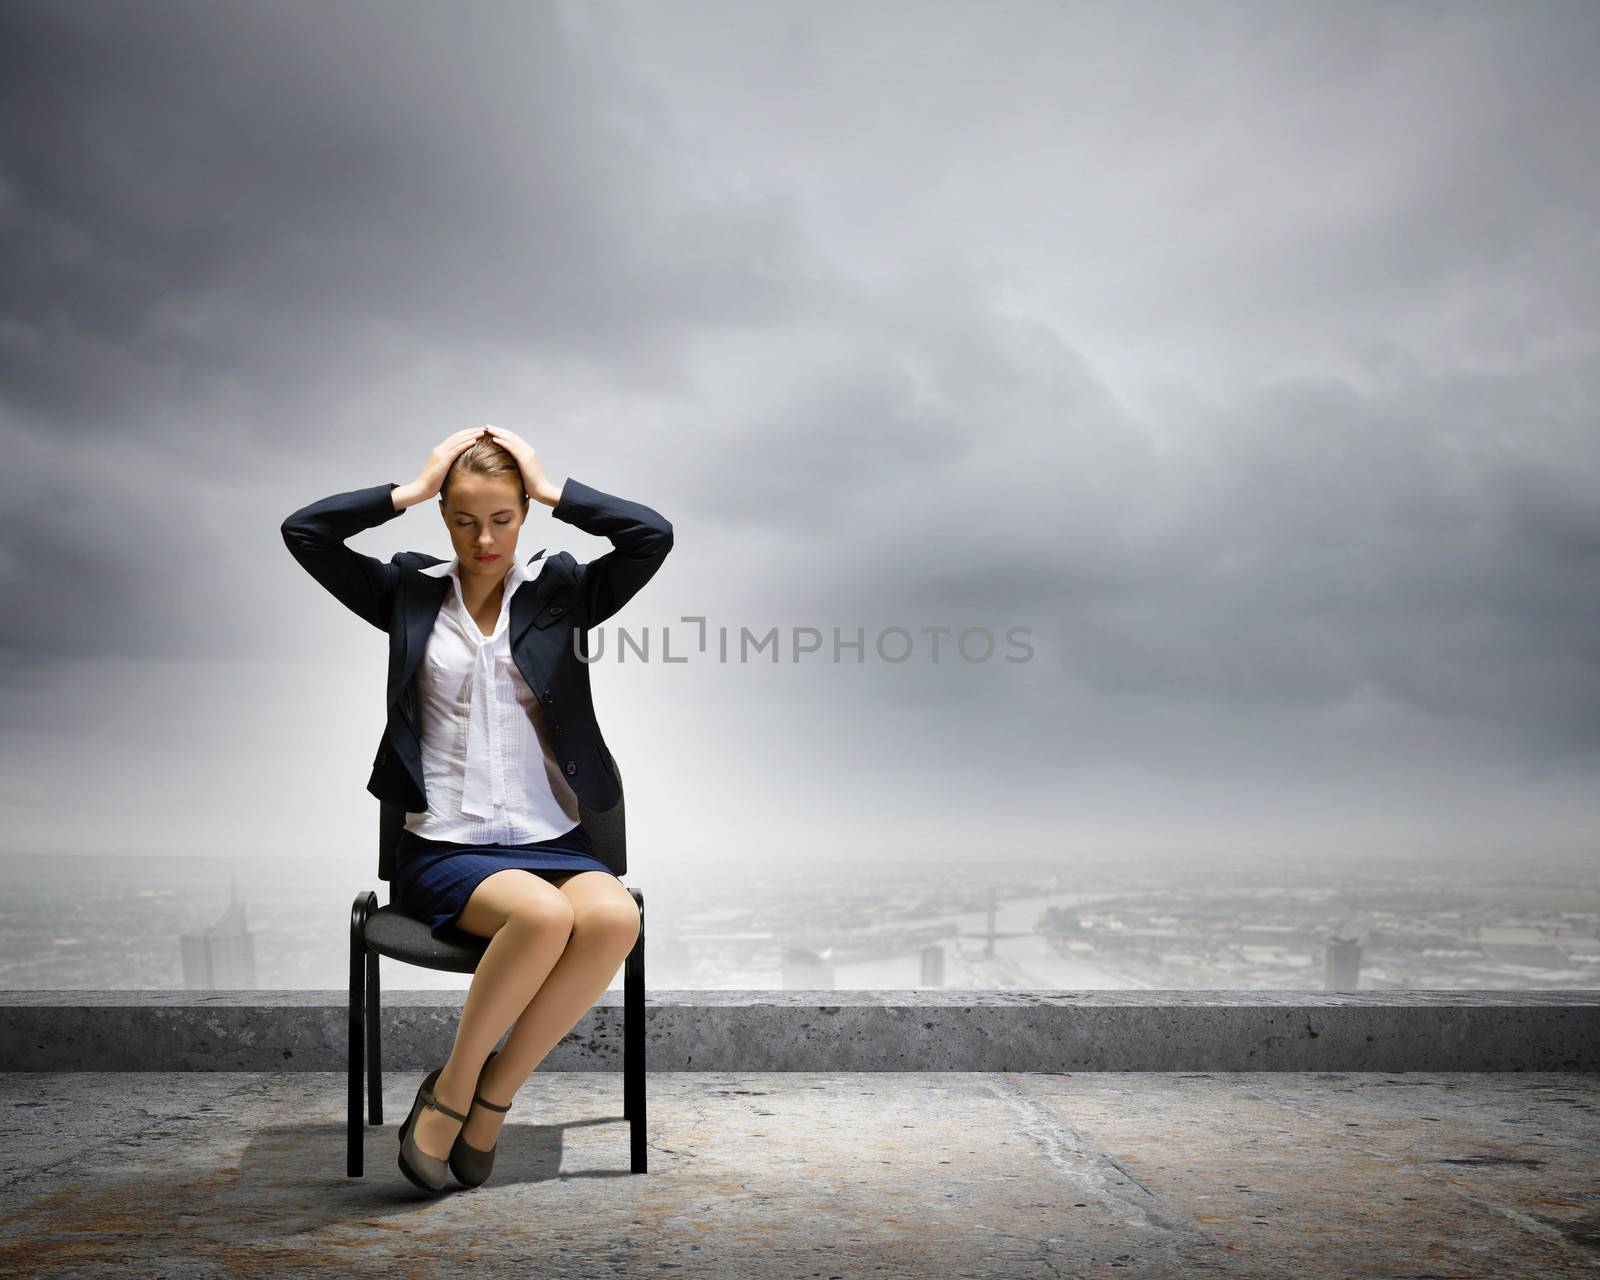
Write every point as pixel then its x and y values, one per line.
pixel 528 922
pixel 605 925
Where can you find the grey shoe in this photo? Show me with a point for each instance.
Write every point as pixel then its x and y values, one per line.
pixel 428 1172
pixel 471 1166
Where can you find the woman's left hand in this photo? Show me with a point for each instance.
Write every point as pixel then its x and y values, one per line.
pixel 533 477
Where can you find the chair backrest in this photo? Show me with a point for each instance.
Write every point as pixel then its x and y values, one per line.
pixel 606 827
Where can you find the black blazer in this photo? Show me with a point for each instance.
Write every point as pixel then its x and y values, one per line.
pixel 564 598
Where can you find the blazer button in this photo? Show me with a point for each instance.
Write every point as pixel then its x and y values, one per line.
pixel 572 766
pixel 556 729
pixel 555 611
pixel 548 697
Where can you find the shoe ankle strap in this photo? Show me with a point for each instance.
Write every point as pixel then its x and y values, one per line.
pixel 428 1100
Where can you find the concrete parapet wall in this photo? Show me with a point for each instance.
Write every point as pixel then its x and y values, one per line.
pixel 899 1030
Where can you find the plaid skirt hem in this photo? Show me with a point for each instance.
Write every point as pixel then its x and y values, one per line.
pixel 434 878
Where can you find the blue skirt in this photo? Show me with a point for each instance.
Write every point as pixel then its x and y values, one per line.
pixel 434 878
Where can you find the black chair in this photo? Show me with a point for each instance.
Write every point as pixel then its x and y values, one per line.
pixel 388 931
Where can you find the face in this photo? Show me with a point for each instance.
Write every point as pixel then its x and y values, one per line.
pixel 484 515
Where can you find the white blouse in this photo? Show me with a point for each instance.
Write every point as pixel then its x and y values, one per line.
pixel 488 767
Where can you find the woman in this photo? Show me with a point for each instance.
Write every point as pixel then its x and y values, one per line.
pixel 491 776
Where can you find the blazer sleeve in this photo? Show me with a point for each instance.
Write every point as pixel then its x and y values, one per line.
pixel 640 538
pixel 315 536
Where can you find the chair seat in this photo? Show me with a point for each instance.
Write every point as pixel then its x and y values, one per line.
pixel 391 932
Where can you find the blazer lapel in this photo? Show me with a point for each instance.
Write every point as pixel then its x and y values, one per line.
pixel 423 603
pixel 525 604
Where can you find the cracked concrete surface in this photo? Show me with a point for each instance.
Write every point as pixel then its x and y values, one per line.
pixel 881 1174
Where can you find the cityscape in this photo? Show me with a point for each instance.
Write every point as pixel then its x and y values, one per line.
pixel 132 922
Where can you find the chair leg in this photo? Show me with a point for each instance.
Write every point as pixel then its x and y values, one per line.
pixel 355 1142
pixel 374 1043
pixel 633 1047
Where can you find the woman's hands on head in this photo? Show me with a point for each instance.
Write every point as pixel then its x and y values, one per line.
pixel 533 477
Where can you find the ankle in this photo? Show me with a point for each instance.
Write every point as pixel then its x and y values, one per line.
pixel 453 1090
pixel 492 1087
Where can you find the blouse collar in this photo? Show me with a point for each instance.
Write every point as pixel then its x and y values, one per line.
pixel 515 576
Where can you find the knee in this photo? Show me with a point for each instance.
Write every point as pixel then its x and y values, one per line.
pixel 615 923
pixel 543 915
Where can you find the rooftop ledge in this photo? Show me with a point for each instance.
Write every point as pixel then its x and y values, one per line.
pixel 846 1031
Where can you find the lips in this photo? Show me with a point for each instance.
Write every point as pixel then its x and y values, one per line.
pixel 486 559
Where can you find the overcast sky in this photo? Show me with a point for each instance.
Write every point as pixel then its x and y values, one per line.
pixel 1245 354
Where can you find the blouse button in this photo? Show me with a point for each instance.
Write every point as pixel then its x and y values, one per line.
pixel 572 766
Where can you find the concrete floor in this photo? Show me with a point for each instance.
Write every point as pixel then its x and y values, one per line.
pixel 786 1174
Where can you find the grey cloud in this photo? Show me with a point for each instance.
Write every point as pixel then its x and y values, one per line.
pixel 203 192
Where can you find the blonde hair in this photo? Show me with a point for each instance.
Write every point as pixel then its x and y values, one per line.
pixel 488 459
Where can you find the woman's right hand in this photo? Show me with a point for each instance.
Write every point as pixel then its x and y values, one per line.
pixel 431 478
